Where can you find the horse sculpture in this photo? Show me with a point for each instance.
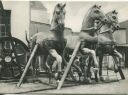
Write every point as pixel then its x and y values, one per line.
pixel 88 34
pixel 108 42
pixel 51 45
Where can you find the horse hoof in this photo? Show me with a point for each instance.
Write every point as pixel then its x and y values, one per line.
pixel 56 75
pixel 88 81
pixel 95 70
pixel 115 69
pixel 96 79
pixel 102 78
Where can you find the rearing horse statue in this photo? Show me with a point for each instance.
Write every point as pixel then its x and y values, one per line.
pixel 87 36
pixel 107 42
pixel 51 45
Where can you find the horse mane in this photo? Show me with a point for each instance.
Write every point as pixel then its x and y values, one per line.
pixel 53 15
pixel 87 18
pixel 52 21
pixel 107 33
pixel 56 28
pixel 88 12
pixel 110 13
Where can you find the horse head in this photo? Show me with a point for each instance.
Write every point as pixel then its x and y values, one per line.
pixel 113 19
pixel 109 27
pixel 58 17
pixel 96 13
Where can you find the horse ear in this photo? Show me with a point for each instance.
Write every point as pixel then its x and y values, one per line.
pixel 95 6
pixel 64 5
pixel 99 6
pixel 115 12
pixel 58 5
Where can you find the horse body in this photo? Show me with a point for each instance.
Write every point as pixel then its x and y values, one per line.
pixel 72 40
pixel 51 45
pixel 106 40
pixel 88 33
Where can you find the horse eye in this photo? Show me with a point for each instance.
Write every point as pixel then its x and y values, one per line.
pixel 97 11
pixel 113 17
pixel 64 13
pixel 57 12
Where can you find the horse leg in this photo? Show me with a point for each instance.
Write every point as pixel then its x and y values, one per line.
pixel 93 54
pixel 77 67
pixel 34 66
pixel 95 64
pixel 86 71
pixel 58 62
pixel 41 58
pixel 48 64
pixel 118 63
pixel 89 73
pixel 100 66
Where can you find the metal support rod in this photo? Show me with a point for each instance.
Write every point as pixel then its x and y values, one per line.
pixel 69 65
pixel 27 66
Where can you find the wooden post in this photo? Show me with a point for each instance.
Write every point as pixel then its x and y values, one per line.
pixel 27 66
pixel 69 65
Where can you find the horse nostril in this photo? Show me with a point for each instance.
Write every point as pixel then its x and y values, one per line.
pixel 105 20
pixel 97 11
pixel 118 26
pixel 114 17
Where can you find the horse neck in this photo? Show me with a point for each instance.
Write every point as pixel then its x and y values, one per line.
pixel 107 31
pixel 58 35
pixel 88 22
pixel 57 32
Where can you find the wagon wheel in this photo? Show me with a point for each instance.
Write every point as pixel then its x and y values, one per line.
pixel 12 57
pixel 75 71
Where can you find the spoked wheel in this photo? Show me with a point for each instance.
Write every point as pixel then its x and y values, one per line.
pixel 12 57
pixel 76 69
pixel 74 74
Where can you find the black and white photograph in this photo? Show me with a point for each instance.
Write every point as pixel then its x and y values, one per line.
pixel 63 47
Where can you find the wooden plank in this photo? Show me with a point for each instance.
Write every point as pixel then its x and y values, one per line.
pixel 27 66
pixel 69 65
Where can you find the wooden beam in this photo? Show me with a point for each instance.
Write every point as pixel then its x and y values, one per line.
pixel 27 66
pixel 69 65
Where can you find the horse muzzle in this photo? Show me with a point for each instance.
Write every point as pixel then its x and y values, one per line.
pixel 117 27
pixel 104 20
pixel 61 25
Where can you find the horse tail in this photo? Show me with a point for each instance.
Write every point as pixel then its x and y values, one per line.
pixel 64 52
pixel 27 37
pixel 47 66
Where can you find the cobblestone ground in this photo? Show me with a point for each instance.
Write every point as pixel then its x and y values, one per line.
pixel 118 87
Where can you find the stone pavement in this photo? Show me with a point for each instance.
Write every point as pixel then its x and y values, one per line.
pixel 118 87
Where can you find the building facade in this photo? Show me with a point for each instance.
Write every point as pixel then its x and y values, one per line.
pixel 19 17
